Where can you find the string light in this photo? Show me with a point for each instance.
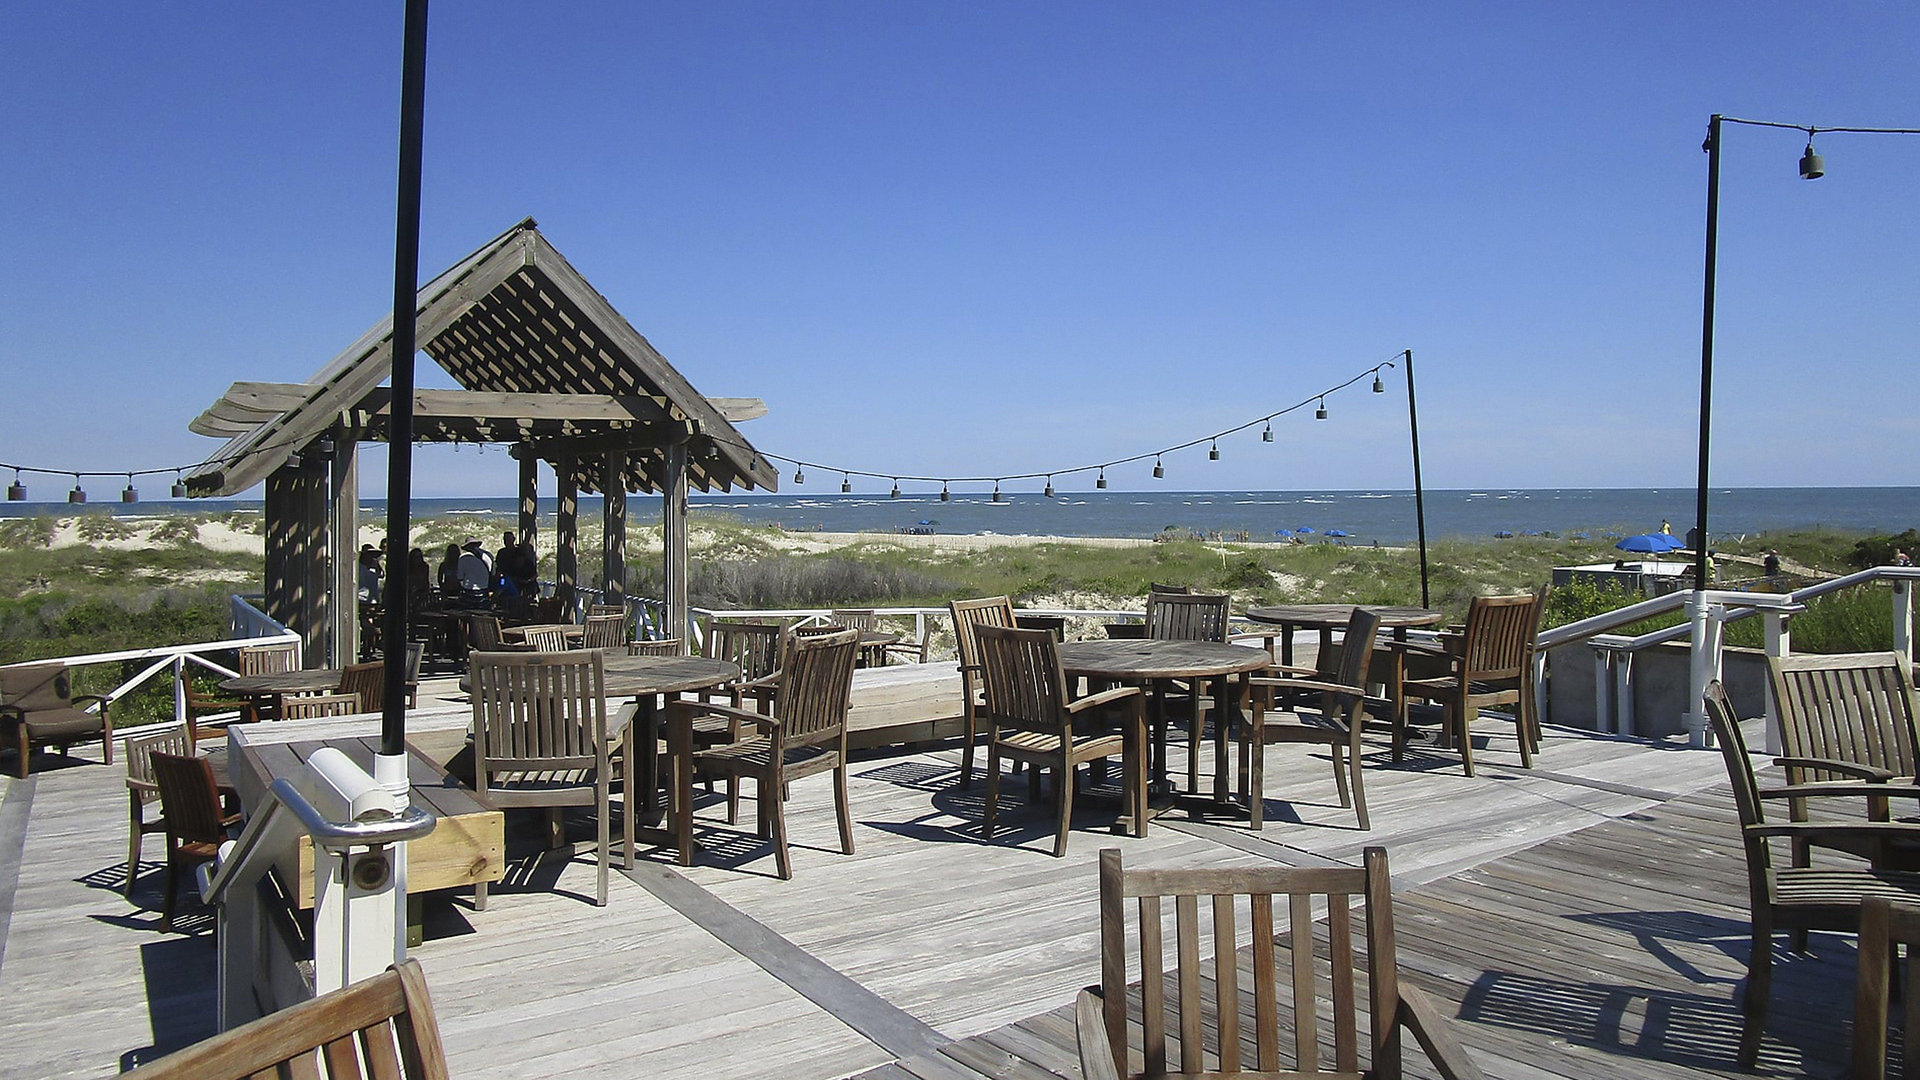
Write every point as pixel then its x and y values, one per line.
pixel 1158 472
pixel 1317 401
pixel 896 490
pixel 846 483
pixel 179 485
pixel 996 493
pixel 78 494
pixel 17 492
pixel 1049 491
pixel 130 493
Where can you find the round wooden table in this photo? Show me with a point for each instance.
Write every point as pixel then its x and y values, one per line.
pixel 1153 661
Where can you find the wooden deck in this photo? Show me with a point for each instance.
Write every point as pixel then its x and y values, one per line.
pixel 1584 919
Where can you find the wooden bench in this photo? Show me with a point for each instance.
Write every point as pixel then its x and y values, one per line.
pixel 905 703
pixel 466 848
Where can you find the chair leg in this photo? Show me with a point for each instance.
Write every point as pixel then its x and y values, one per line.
pixel 1359 790
pixel 966 754
pixel 1339 754
pixel 133 841
pixel 605 839
pixel 1753 1003
pixel 993 788
pixel 1460 718
pixel 1064 771
pixel 479 896
pixel 769 790
pixel 841 809
pixel 1523 729
pixel 733 799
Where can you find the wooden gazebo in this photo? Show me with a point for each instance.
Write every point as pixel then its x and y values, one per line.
pixel 546 366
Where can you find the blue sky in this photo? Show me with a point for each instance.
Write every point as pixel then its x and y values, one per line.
pixel 987 238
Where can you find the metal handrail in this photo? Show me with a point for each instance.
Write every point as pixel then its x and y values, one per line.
pixel 237 863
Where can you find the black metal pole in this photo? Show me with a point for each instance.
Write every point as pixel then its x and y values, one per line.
pixel 1419 497
pixel 1706 351
pixel 406 287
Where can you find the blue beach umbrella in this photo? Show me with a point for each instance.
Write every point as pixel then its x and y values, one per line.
pixel 1283 533
pixel 1649 544
pixel 1338 532
pixel 1304 531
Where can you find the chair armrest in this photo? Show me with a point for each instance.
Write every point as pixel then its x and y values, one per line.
pixel 1290 672
pixel 1103 697
pixel 1309 686
pixel 1816 831
pixel 1864 772
pixel 711 708
pixel 1096 1050
pixel 1855 788
pixel 142 785
pixel 1417 1014
pixel 103 699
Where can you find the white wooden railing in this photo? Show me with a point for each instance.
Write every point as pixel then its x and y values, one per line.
pixel 251 626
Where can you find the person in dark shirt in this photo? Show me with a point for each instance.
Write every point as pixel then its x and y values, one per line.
pixel 1770 565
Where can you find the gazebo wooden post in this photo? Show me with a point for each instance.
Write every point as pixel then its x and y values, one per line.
pixel 613 532
pixel 673 528
pixel 529 493
pixel 566 533
pixel 343 533
pixel 296 511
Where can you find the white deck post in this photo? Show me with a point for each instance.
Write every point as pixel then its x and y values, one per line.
pixel 1903 617
pixel 359 892
pixel 1623 692
pixel 1707 619
pixel 1779 642
pixel 1603 718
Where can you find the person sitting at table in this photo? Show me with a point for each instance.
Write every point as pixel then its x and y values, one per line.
pixel 449 576
pixel 473 572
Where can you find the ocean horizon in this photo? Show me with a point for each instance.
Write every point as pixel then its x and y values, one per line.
pixel 1383 516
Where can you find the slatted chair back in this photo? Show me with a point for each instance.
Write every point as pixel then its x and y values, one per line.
pixel 654 647
pixel 367 682
pixel 173 739
pixel 855 618
pixel 1169 590
pixel 316 705
pixel 1859 708
pixel 1356 649
pixel 816 686
pixel 1250 894
pixel 968 616
pixel 189 798
pixel 1187 616
pixel 605 631
pixel 483 633
pixel 606 609
pixel 1025 688
pixel 384 1025
pixel 270 659
pixel 1883 924
pixel 545 638
pixel 539 712
pixel 1498 642
pixel 755 647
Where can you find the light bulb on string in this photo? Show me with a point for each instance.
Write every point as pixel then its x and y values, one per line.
pixel 78 494
pixel 1812 165
pixel 996 491
pixel 1378 386
pixel 1158 471
pixel 179 486
pixel 1267 435
pixel 1214 453
pixel 799 477
pixel 1321 412
pixel 846 483
pixel 945 496
pixel 130 493
pixel 1101 482
pixel 896 490
pixel 1049 491
pixel 17 491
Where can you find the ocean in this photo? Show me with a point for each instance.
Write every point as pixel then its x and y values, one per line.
pixel 1386 516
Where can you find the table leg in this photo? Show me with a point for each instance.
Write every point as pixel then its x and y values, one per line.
pixel 1228 695
pixel 629 810
pixel 649 725
pixel 1398 692
pixel 1159 784
pixel 680 746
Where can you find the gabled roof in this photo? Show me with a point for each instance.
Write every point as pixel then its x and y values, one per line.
pixel 552 365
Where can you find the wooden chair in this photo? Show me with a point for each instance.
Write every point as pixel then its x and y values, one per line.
pixel 545 638
pixel 1491 663
pixel 968 616
pixel 754 648
pixel 1848 716
pixel 1883 925
pixel 383 1025
pixel 805 733
pixel 195 824
pixel 654 647
pixel 176 739
pixel 1188 616
pixel 39 708
pixel 540 738
pixel 270 659
pixel 868 620
pixel 203 707
pixel 1336 726
pixel 606 631
pixel 483 633
pixel 1215 1050
pixel 1796 898
pixel 1030 715
pixel 366 681
pixel 314 705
